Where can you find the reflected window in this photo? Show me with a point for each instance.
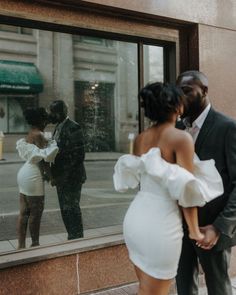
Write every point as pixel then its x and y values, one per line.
pixel 105 95
pixel 94 109
pixel 153 63
pixel 153 60
pixel 16 30
pixel 11 113
pixel 94 41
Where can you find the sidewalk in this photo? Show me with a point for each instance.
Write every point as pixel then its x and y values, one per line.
pixel 13 158
pixel 132 290
pixel 52 239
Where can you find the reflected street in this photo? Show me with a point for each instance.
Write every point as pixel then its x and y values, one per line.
pixel 101 205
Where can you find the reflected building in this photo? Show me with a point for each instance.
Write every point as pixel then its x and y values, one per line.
pixel 98 79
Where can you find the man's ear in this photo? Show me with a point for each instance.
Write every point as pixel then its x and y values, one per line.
pixel 205 90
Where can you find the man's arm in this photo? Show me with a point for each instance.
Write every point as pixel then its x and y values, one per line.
pixel 72 150
pixel 225 223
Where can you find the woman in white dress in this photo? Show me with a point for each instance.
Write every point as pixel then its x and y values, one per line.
pixel 38 152
pixel 170 176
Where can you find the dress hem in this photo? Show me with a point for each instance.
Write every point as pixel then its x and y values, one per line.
pixel 159 275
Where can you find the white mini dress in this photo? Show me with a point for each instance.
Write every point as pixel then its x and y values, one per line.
pixel 29 177
pixel 153 223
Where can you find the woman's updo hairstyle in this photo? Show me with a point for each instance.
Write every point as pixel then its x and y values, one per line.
pixel 36 116
pixel 160 100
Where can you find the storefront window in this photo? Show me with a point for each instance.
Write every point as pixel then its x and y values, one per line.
pixel 99 80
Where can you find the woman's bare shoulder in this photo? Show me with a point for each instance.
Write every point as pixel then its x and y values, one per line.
pixel 38 138
pixel 181 138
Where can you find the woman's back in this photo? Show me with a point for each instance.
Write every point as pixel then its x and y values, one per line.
pixel 171 142
pixel 35 136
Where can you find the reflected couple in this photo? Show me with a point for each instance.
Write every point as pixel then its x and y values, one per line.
pixel 59 160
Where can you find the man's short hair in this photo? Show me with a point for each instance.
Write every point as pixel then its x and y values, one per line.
pixel 59 106
pixel 196 75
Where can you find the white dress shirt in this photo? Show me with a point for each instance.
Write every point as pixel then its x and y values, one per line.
pixel 58 129
pixel 197 124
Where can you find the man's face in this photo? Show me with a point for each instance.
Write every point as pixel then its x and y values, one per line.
pixel 194 95
pixel 54 116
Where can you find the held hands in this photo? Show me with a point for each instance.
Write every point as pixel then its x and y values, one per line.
pixel 211 237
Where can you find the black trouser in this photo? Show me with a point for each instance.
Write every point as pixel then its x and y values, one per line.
pixel 215 265
pixel 69 200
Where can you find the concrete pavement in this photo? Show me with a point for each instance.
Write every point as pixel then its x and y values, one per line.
pixel 131 289
pixel 101 156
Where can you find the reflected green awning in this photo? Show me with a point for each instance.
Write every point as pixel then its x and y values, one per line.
pixel 19 77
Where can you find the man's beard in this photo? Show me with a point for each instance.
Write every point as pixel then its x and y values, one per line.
pixel 52 119
pixel 194 107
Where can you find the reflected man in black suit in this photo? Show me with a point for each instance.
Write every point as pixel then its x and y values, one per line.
pixel 215 138
pixel 68 170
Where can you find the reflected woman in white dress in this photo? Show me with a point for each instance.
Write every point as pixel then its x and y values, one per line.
pixel 38 152
pixel 172 180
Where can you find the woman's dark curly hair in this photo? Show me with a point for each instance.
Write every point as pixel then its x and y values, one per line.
pixel 36 116
pixel 160 100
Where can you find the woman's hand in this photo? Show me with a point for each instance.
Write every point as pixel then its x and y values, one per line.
pixel 211 237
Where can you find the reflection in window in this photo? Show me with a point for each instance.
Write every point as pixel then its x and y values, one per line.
pixel 105 95
pixel 98 79
pixel 153 60
pixel 94 109
pixel 153 64
pixel 11 113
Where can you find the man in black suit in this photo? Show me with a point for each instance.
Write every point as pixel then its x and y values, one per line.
pixel 215 138
pixel 68 170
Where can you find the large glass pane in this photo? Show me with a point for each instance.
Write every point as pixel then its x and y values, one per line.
pixel 153 63
pixel 153 60
pixel 98 80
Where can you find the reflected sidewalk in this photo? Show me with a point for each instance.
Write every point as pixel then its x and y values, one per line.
pixel 52 239
pixel 13 158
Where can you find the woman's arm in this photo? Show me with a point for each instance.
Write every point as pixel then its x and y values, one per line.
pixel 184 151
pixel 40 141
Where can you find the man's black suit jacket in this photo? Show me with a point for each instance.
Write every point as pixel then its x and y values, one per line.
pixel 68 168
pixel 217 140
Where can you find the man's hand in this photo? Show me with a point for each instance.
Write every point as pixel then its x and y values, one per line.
pixel 211 237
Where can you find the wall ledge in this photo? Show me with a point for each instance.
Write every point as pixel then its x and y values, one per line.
pixel 68 248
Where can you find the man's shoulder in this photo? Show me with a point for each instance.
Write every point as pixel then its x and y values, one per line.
pixel 221 118
pixel 72 124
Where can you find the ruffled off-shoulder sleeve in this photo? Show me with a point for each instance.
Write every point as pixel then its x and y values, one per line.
pixel 189 189
pixel 126 173
pixel 33 154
